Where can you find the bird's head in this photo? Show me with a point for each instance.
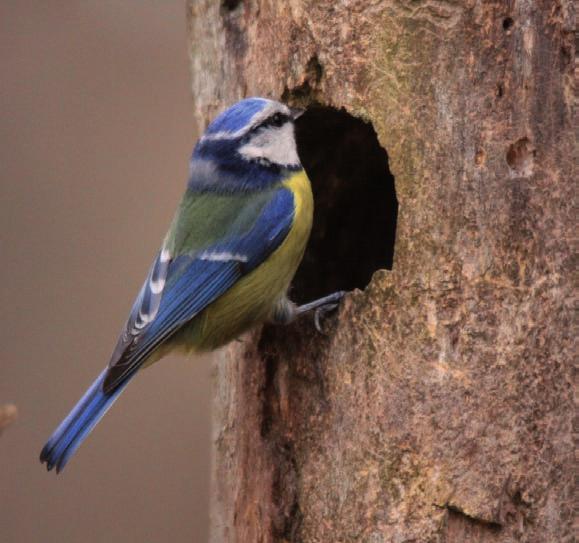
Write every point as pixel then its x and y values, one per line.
pixel 254 135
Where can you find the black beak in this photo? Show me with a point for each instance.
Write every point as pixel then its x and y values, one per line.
pixel 296 112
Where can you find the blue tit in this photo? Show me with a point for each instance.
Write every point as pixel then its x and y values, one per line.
pixel 224 266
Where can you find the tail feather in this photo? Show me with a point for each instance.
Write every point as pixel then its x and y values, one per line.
pixel 73 430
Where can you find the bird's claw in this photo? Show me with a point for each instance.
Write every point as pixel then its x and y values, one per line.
pixel 321 312
pixel 321 306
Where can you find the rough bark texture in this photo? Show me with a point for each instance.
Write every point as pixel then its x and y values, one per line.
pixel 439 406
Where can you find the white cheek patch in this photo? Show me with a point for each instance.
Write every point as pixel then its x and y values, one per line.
pixel 276 145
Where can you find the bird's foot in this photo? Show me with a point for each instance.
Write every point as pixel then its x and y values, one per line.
pixel 321 307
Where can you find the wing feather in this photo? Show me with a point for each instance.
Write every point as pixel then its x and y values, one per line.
pixel 179 287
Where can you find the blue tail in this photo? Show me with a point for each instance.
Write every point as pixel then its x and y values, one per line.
pixel 80 421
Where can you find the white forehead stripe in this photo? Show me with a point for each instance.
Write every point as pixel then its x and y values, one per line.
pixel 270 108
pixel 274 144
pixel 267 111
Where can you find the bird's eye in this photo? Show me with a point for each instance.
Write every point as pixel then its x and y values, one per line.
pixel 278 119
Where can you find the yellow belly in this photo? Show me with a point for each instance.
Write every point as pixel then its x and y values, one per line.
pixel 252 299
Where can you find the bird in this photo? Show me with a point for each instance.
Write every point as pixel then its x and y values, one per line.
pixel 225 264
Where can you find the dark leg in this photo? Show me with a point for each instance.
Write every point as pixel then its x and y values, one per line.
pixel 321 306
pixel 286 311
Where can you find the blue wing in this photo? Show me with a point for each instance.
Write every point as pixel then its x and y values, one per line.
pixel 177 289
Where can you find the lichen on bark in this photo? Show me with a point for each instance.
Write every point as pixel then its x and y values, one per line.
pixel 439 405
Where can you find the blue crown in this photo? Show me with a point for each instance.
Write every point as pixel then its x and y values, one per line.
pixel 237 116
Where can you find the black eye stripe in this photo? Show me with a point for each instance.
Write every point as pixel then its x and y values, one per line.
pixel 278 119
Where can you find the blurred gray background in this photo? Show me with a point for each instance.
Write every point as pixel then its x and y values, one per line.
pixel 95 132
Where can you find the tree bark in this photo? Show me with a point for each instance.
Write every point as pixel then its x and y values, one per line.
pixel 439 405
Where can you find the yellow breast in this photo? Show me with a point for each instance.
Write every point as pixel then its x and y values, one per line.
pixel 251 300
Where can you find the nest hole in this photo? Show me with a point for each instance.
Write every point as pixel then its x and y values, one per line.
pixel 355 203
pixel 508 23
pixel 230 5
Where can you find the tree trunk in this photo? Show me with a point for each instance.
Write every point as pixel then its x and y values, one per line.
pixel 438 405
